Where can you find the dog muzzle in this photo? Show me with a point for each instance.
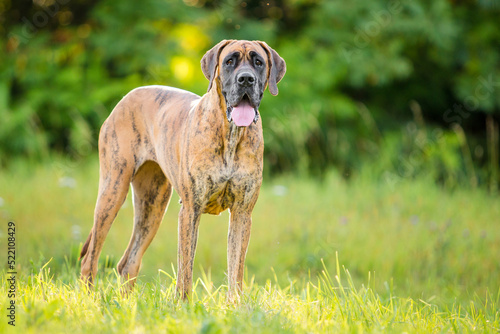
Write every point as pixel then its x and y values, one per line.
pixel 243 114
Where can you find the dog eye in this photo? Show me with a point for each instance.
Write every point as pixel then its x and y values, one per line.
pixel 258 62
pixel 229 62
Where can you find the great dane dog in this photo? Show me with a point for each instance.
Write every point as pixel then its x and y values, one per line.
pixel 209 149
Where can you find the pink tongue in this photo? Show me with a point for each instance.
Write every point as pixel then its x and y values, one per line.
pixel 243 114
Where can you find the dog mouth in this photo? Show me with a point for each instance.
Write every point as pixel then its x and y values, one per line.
pixel 243 113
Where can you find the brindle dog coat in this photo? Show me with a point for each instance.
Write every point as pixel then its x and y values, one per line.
pixel 209 149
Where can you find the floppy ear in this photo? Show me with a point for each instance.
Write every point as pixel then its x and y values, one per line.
pixel 210 60
pixel 277 68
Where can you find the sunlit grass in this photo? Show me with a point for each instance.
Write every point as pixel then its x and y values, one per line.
pixel 416 259
pixel 321 304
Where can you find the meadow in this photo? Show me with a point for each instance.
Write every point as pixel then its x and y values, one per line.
pixel 325 255
pixel 382 212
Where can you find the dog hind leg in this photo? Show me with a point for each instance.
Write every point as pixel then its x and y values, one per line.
pixel 116 170
pixel 152 192
pixel 112 194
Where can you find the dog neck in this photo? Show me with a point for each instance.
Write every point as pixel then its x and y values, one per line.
pixel 231 138
pixel 230 134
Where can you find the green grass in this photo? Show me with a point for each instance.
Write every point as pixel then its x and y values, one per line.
pixel 411 258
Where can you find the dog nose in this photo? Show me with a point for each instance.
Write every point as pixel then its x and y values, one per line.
pixel 246 79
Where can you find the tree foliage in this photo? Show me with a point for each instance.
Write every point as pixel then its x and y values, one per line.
pixel 360 74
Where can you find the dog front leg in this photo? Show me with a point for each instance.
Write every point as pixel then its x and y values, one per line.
pixel 237 244
pixel 188 236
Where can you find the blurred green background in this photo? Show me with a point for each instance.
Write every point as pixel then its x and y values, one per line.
pixel 400 88
pixel 384 138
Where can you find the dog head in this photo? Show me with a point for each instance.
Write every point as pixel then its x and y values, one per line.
pixel 241 71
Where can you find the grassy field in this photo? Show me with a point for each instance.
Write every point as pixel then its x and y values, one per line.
pixel 329 256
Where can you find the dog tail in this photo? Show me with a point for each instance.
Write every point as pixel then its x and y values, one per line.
pixel 85 247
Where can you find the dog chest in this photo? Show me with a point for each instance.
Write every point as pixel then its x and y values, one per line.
pixel 223 191
pixel 220 197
